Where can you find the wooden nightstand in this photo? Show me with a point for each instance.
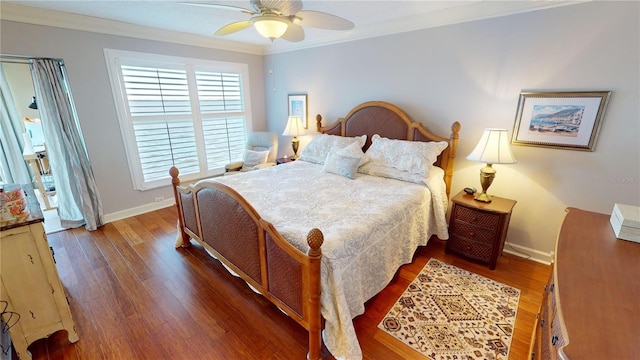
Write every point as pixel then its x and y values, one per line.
pixel 477 229
pixel 284 160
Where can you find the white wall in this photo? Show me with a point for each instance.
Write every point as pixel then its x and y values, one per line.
pixel 473 73
pixel 84 59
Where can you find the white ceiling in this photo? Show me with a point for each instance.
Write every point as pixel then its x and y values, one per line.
pixel 371 18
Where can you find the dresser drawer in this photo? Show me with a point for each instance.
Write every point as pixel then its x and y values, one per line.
pixel 474 233
pixel 470 248
pixel 477 218
pixel 556 340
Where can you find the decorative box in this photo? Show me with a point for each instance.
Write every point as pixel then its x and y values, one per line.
pixel 625 220
pixel 13 206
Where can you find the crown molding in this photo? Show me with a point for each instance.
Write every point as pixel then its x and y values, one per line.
pixel 38 16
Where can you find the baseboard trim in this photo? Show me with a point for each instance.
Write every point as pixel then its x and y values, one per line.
pixel 119 215
pixel 528 253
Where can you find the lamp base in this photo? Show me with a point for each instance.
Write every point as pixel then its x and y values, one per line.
pixel 294 145
pixel 487 174
pixel 483 196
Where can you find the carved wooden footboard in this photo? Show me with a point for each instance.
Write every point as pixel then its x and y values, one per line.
pixel 230 229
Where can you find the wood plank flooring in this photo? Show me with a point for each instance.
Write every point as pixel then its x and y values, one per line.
pixel 134 296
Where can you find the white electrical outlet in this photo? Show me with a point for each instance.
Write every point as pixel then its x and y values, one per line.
pixel 160 198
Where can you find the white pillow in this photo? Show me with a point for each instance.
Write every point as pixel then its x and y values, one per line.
pixel 253 158
pixel 375 168
pixel 415 157
pixel 318 149
pixel 346 166
pixel 354 150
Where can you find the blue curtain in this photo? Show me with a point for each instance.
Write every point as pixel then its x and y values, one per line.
pixel 13 168
pixel 78 198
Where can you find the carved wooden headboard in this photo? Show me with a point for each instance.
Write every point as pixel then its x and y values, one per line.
pixel 388 120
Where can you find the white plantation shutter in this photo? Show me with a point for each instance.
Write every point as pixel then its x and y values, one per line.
pixel 224 140
pixel 184 113
pixel 219 92
pixel 163 144
pixel 224 136
pixel 156 91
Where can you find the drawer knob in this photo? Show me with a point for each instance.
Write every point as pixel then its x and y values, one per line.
pixel 542 323
pixel 554 340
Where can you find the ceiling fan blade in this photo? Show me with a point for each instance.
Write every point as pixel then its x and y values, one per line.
pixel 322 20
pixel 233 27
pixel 282 7
pixel 294 33
pixel 218 6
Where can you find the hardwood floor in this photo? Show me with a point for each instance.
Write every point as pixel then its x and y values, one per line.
pixel 134 296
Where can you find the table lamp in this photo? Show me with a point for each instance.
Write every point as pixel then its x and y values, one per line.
pixel 493 148
pixel 294 128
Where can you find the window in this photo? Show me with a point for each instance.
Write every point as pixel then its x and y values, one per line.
pixel 188 113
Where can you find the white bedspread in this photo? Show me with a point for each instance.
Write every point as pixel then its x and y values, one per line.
pixel 371 226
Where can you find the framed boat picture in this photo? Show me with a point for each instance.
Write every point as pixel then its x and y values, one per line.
pixel 561 120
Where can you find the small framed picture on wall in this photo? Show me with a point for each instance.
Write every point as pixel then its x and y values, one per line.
pixel 298 107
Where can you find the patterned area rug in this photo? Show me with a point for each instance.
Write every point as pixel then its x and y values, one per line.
pixel 450 313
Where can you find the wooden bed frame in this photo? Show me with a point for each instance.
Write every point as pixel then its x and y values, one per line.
pixel 230 229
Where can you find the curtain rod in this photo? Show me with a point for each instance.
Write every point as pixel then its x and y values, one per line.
pixel 22 59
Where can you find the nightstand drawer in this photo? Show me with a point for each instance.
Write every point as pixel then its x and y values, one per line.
pixel 474 233
pixel 478 218
pixel 470 248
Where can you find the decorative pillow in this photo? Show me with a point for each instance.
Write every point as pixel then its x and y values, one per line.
pixel 253 158
pixel 318 149
pixel 378 169
pixel 354 150
pixel 415 157
pixel 346 166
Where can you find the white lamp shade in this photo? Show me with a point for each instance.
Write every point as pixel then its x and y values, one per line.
pixel 270 26
pixel 493 148
pixel 294 126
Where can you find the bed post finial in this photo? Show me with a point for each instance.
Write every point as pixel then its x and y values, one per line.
pixel 315 240
pixel 318 122
pixel 455 129
pixel 174 172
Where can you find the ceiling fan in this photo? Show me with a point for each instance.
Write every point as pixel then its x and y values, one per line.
pixel 279 19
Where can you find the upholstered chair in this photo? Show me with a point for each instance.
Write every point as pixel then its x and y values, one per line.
pixel 261 152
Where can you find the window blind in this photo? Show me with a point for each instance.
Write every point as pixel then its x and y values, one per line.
pixel 156 91
pixel 162 144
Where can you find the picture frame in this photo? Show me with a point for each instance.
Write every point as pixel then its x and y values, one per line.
pixel 297 104
pixel 560 120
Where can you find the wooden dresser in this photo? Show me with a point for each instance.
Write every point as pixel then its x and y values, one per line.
pixel 33 303
pixel 591 306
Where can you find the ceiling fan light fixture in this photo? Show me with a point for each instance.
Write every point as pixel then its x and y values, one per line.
pixel 270 26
